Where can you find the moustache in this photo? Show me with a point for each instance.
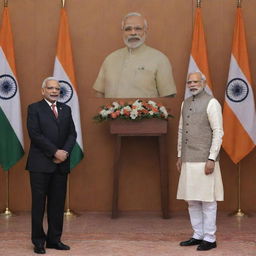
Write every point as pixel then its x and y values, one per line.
pixel 133 37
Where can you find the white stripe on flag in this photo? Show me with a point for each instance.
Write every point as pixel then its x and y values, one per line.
pixel 248 121
pixel 12 113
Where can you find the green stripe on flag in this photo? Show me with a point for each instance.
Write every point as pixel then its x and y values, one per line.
pixel 10 147
pixel 76 156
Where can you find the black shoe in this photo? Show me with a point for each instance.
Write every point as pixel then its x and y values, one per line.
pixel 205 246
pixel 39 250
pixel 58 246
pixel 191 241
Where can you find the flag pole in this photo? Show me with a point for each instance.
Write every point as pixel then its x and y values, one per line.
pixel 5 3
pixel 198 4
pixel 239 212
pixel 68 211
pixel 7 212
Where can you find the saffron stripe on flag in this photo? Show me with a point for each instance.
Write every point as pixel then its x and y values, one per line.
pixel 198 61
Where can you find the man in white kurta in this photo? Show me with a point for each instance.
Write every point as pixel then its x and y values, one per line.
pixel 136 71
pixel 199 141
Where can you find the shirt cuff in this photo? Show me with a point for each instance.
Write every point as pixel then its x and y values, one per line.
pixel 212 157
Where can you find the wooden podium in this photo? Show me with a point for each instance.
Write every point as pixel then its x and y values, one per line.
pixel 145 127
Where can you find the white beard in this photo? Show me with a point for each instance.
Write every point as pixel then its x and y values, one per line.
pixel 197 91
pixel 136 44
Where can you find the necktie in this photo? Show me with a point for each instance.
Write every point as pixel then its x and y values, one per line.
pixel 54 110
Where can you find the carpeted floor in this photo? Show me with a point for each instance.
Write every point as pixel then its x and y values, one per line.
pixel 132 234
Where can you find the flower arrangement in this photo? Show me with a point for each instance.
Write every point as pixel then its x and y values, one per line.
pixel 136 110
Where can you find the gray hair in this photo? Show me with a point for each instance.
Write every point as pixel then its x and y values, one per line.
pixel 49 79
pixel 131 14
pixel 197 72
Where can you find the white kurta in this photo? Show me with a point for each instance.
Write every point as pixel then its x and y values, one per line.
pixel 194 184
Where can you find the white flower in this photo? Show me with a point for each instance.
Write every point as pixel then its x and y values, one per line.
pixel 138 105
pixel 152 103
pixel 104 113
pixel 133 111
pixel 111 110
pixel 164 111
pixel 134 114
pixel 115 105
pixel 127 108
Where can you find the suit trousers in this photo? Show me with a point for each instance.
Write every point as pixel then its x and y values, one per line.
pixel 203 219
pixel 50 188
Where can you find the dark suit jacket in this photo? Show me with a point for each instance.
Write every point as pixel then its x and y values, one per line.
pixel 47 134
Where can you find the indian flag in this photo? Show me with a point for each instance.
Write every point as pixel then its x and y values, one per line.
pixel 64 72
pixel 198 61
pixel 11 135
pixel 239 110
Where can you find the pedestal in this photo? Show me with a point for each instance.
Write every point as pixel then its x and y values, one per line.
pixel 145 127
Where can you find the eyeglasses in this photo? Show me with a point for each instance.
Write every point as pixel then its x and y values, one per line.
pixel 136 28
pixel 194 82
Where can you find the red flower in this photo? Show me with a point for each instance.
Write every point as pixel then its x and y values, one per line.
pixel 113 115
pixel 147 105
pixel 126 112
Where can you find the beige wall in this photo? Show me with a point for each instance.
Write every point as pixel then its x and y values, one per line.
pixel 95 32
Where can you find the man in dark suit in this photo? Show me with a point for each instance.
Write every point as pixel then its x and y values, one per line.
pixel 52 133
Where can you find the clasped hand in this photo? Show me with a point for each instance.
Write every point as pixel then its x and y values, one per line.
pixel 60 156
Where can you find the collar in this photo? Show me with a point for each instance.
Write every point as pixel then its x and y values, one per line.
pixel 49 103
pixel 136 50
pixel 199 95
